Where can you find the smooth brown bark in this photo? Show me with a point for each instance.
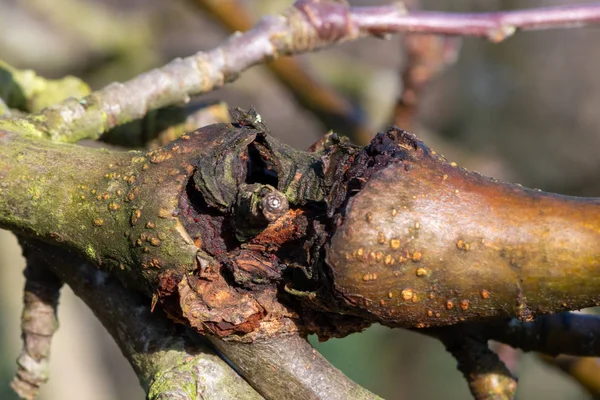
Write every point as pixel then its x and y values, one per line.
pixel 426 243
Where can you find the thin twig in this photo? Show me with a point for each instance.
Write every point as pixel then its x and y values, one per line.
pixel 486 374
pixel 329 106
pixel 426 57
pixel 38 325
pixel 564 333
pixel 495 26
pixel 584 370
pixel 307 26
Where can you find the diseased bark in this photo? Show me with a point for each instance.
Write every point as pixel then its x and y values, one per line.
pixel 445 245
pixel 170 362
pixel 232 233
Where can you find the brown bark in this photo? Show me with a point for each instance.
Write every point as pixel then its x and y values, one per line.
pixel 426 243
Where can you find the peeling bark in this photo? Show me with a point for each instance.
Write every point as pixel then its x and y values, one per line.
pixel 390 233
pixel 170 361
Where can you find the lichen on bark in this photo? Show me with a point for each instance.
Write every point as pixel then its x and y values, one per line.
pixel 390 233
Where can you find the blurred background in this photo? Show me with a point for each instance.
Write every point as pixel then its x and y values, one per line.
pixel 524 110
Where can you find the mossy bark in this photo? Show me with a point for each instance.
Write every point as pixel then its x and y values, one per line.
pixel 170 361
pixel 119 209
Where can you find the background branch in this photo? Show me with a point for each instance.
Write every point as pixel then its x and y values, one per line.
pixel 328 105
pixel 584 370
pixel 309 25
pixel 563 333
pixel 426 56
pixel 38 325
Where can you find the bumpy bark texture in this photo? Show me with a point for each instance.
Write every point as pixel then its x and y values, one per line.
pixel 426 243
pixel 236 234
pixel 170 361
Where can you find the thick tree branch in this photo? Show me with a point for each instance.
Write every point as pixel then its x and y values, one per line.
pixel 426 243
pixel 136 215
pixel 289 366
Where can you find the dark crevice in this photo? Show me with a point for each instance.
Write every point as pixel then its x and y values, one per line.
pixel 206 223
pixel 261 165
pixel 390 147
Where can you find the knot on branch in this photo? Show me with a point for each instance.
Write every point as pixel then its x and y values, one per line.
pixel 256 207
pixel 317 23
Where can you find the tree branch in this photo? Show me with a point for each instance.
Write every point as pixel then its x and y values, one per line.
pixel 309 25
pixel 563 333
pixel 426 243
pixel 281 366
pixel 486 374
pixel 169 361
pixel 27 92
pixel 584 370
pixel 495 26
pixel 38 325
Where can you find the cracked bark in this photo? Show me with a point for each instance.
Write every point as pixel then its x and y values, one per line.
pixel 170 362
